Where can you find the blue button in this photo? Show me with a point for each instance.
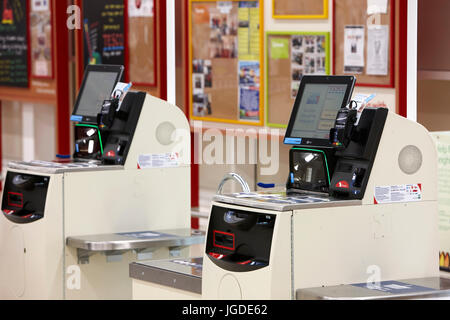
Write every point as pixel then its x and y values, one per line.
pixel 293 141
pixel 76 118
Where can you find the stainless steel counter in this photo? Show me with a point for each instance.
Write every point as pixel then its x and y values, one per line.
pixel 412 289
pixel 54 167
pixel 182 274
pixel 279 201
pixel 117 243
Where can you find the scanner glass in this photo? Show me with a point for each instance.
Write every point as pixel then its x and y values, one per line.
pixel 309 171
pixel 87 142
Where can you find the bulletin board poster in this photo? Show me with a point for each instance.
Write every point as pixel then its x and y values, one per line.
pixel 442 140
pixel 300 9
pixel 364 41
pixel 226 71
pixel 104 32
pixel 142 65
pixel 290 56
pixel 14 43
pixel 41 39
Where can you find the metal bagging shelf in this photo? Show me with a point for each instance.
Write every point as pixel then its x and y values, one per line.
pixel 114 245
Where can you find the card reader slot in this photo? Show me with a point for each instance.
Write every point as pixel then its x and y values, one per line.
pixel 224 240
pixel 15 199
pixel 345 167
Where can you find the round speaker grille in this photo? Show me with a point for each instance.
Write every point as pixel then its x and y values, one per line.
pixel 410 159
pixel 164 133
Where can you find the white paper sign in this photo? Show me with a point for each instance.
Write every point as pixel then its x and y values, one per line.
pixel 140 8
pixel 396 194
pixel 378 50
pixel 159 160
pixel 40 5
pixel 122 90
pixel 224 6
pixel 198 81
pixel 354 49
pixel 362 100
pixel 377 6
pixel 40 68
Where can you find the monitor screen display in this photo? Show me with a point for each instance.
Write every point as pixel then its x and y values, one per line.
pixel 98 87
pixel 318 109
pixel 314 113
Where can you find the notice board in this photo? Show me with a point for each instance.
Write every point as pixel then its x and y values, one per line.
pixel 14 44
pixel 104 32
pixel 290 55
pixel 300 9
pixel 442 140
pixel 226 61
pixel 364 41
pixel 142 65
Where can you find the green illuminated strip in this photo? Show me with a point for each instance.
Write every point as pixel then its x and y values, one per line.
pixel 325 156
pixel 98 130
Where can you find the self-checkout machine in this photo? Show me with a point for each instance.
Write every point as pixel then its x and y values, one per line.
pixel 128 177
pixel 360 205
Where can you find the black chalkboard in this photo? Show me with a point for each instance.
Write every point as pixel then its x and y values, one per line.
pixel 14 35
pixel 104 32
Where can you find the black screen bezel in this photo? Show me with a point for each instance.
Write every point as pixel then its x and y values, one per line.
pixel 330 80
pixel 118 69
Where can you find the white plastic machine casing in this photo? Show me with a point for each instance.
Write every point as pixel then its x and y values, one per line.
pixel 271 282
pixel 348 242
pixel 35 263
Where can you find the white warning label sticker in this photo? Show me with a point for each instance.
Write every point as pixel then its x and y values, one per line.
pixel 159 160
pixel 400 193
